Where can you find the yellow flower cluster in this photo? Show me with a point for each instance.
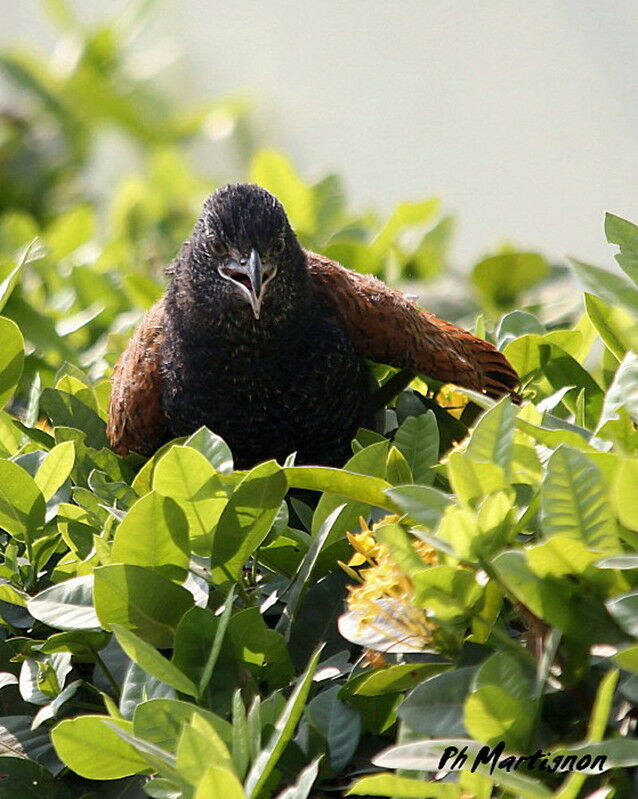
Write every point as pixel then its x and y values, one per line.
pixel 384 600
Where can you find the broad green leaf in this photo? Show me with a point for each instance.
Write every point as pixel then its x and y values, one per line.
pixel 624 494
pixel 218 783
pixel 282 733
pixel 624 609
pixel 504 670
pixel 185 475
pixel 160 721
pixel 424 504
pixel 67 410
pixel 405 215
pixel 198 748
pixel 93 750
pixel 154 533
pixel 69 230
pixel 612 288
pixel 625 234
pixel 472 481
pixel 617 327
pixel 140 600
pixel 55 469
pixel 388 784
pixel 338 723
pixel 301 789
pixel 501 278
pixel 261 650
pixel 492 440
pixel 397 677
pixel 11 274
pixel 213 448
pixel 198 642
pixel 22 505
pixel 574 501
pixel 246 520
pixel 275 173
pixel 11 358
pixel 151 661
pixel 435 707
pixel 623 392
pixel 418 439
pixel 67 605
pixel 349 485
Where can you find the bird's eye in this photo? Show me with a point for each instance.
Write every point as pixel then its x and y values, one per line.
pixel 216 246
pixel 279 246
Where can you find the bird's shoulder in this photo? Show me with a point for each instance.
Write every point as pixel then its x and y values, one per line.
pixel 136 419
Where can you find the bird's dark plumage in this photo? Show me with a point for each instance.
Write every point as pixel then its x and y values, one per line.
pixel 264 343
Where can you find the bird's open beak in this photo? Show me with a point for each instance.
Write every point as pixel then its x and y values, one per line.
pixel 248 274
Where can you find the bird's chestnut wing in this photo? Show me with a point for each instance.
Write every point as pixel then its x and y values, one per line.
pixel 385 326
pixel 136 420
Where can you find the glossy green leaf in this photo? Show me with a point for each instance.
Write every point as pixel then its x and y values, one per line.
pixel 154 533
pixel 418 439
pixel 11 358
pixel 67 605
pixel 140 600
pixel 185 475
pixel 574 501
pixel 151 661
pixel 246 520
pixel 55 469
pixel 21 502
pixel 91 749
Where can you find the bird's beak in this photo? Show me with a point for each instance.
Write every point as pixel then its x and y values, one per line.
pixel 250 277
pixel 255 273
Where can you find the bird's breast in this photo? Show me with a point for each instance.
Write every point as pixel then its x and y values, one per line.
pixel 303 389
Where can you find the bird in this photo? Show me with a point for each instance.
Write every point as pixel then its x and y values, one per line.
pixel 267 344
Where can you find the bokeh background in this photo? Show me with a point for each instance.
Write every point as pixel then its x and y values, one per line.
pixel 522 116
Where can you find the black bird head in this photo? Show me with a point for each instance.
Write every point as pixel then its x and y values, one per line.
pixel 244 253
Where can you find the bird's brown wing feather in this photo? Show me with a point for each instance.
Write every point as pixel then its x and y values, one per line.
pixel 385 326
pixel 136 419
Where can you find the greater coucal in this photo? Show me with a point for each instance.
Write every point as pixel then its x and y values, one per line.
pixel 264 342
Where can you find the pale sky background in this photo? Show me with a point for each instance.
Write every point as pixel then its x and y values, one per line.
pixel 521 114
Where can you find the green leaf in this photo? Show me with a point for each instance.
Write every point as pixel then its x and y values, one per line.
pixel 11 358
pixel 617 328
pixel 213 448
pixel 405 215
pixel 151 661
pixel 388 784
pixel 160 721
pixel 418 439
pixel 349 485
pixel 55 469
pixel 574 501
pixel 246 520
pixel 67 605
pixel 11 273
pixel 67 410
pixel 22 505
pixel 424 504
pixel 624 494
pixel 624 610
pixel 301 789
pixel 435 707
pixel 154 533
pixel 93 750
pixel 198 641
pixel 219 783
pixel 140 600
pixel 472 481
pixel 338 723
pixel 261 650
pixel 623 392
pixel 199 747
pixel 625 234
pixel 492 440
pixel 500 279
pixel 275 173
pixel 185 475
pixel 605 284
pixel 282 733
